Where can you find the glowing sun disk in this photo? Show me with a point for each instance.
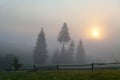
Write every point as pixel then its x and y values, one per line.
pixel 95 33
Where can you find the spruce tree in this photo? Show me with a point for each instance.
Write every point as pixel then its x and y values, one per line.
pixel 16 64
pixel 40 51
pixel 63 38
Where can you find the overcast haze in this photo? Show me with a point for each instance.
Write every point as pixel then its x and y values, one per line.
pixel 21 21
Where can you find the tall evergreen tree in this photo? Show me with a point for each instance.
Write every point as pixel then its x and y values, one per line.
pixel 55 57
pixel 40 51
pixel 63 38
pixel 70 53
pixel 80 54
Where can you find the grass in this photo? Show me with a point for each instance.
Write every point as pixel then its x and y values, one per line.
pixel 62 75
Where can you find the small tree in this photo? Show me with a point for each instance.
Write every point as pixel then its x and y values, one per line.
pixel 16 64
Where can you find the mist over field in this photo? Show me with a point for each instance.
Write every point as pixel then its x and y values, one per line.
pixel 21 22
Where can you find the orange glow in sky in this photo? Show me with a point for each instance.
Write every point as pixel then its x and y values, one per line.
pixel 94 33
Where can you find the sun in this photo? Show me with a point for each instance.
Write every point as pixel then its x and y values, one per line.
pixel 95 33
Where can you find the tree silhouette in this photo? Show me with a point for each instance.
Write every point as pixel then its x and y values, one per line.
pixel 63 38
pixel 16 64
pixel 40 51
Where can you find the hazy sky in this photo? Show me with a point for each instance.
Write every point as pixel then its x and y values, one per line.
pixel 21 21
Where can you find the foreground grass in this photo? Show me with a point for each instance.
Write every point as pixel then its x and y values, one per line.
pixel 62 75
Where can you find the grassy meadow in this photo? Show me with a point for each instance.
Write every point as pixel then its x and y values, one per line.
pixel 62 75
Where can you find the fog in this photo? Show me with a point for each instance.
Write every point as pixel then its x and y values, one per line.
pixel 21 22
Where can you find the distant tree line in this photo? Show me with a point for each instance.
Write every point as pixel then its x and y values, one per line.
pixel 66 54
